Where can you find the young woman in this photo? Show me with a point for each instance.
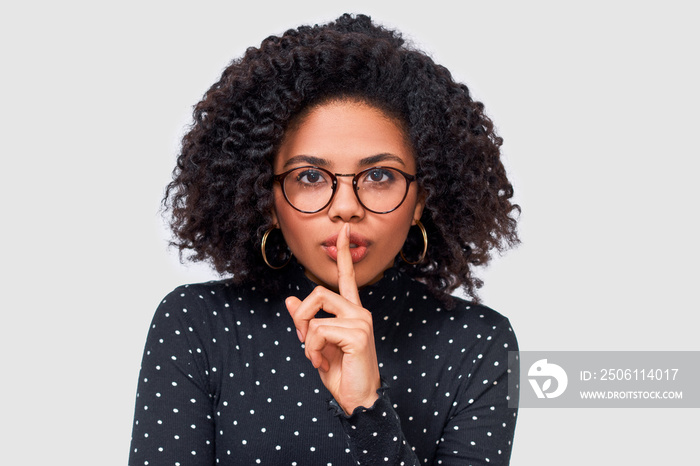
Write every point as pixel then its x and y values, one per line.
pixel 347 184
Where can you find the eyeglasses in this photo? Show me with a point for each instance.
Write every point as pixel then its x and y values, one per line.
pixel 311 189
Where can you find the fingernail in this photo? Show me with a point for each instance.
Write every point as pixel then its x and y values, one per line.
pixel 301 339
pixel 347 230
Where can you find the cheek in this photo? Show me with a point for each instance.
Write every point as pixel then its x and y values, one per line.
pixel 401 226
pixel 395 230
pixel 290 222
pixel 281 210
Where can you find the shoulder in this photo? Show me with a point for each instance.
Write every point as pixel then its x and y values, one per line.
pixel 489 328
pixel 211 293
pixel 202 302
pixel 199 291
pixel 463 317
pixel 458 308
pixel 479 315
pixel 204 313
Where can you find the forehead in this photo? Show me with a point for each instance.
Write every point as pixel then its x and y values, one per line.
pixel 344 134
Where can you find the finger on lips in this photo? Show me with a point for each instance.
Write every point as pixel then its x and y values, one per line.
pixel 347 286
pixel 343 306
pixel 348 335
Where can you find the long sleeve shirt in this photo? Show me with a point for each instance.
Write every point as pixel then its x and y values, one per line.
pixel 224 380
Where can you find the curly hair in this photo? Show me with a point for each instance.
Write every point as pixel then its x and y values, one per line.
pixel 221 195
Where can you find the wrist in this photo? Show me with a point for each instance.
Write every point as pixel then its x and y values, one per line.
pixel 347 410
pixel 367 403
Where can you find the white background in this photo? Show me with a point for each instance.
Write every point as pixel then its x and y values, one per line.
pixel 597 102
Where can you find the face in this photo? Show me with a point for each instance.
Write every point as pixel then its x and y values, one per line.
pixel 346 137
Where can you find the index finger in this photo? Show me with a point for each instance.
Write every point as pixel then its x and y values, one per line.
pixel 347 286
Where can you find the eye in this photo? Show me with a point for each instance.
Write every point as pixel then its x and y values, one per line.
pixel 378 175
pixel 310 176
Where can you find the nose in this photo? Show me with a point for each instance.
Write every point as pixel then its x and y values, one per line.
pixel 345 205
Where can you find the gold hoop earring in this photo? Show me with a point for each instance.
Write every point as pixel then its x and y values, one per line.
pixel 425 246
pixel 262 247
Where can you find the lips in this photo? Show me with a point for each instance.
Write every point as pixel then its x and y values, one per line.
pixel 358 247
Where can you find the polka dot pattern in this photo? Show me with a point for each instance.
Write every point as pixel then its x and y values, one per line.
pixel 224 380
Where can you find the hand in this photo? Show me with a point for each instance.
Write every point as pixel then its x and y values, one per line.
pixel 341 348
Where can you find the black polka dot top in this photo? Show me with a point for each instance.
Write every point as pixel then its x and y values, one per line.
pixel 224 381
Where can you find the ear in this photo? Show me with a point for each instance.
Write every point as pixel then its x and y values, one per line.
pixel 418 211
pixel 273 217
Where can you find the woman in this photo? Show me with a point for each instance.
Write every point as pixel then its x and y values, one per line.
pixel 348 185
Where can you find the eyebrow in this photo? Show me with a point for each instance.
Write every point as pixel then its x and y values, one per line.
pixel 371 160
pixel 321 162
pixel 310 159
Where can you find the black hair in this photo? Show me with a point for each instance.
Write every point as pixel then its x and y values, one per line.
pixel 221 194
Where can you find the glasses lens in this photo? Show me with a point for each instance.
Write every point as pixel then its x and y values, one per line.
pixel 308 189
pixel 381 189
